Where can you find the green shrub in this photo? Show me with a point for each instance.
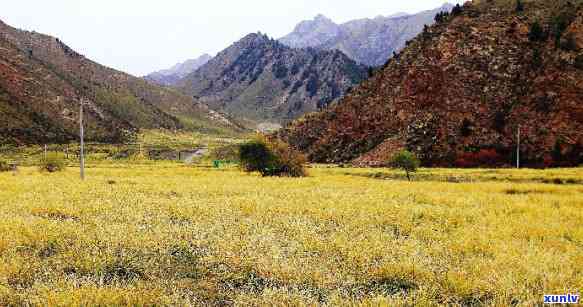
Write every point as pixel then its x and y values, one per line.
pixel 536 33
pixel 52 164
pixel 406 161
pixel 5 166
pixel 271 158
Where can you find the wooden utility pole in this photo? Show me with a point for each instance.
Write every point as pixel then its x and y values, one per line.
pixel 518 148
pixel 82 141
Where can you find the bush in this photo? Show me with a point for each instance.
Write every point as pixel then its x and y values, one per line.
pixel 6 167
pixel 441 17
pixel 52 164
pixel 271 158
pixel 406 161
pixel 536 33
pixel 519 6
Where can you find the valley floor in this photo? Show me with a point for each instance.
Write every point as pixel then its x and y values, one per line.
pixel 170 234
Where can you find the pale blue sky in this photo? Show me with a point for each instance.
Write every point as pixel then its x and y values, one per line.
pixel 141 36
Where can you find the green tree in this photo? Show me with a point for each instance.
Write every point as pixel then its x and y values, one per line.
pixel 271 158
pixel 406 161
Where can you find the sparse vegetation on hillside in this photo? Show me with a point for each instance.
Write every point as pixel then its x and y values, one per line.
pixel 45 108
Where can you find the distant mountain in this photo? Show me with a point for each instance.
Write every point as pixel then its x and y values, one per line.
pixel 42 81
pixel 172 76
pixel 260 79
pixel 367 41
pixel 458 94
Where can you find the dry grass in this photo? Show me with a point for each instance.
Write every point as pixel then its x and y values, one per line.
pixel 167 234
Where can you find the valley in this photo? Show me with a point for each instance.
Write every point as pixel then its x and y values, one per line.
pixel 427 158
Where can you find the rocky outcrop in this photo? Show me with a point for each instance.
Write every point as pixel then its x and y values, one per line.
pixel 461 91
pixel 262 80
pixel 367 41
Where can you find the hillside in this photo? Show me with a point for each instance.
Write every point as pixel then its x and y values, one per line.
pixel 460 91
pixel 367 41
pixel 260 79
pixel 171 76
pixel 42 81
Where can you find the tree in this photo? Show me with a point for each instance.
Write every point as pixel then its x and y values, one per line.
pixel 406 161
pixel 371 72
pixel 271 157
pixel 441 17
pixel 457 10
pixel 519 6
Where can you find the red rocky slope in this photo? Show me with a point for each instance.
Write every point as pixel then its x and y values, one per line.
pixel 458 93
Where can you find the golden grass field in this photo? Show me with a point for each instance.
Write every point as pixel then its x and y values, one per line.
pixel 170 234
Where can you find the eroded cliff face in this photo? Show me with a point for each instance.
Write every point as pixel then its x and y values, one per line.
pixel 459 92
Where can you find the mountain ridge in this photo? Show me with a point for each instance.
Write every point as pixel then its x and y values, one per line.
pixel 370 41
pixel 260 79
pixel 171 76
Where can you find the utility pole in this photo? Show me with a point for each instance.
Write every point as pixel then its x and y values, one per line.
pixel 82 141
pixel 518 148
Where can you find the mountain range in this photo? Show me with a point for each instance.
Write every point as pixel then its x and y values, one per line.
pixel 42 81
pixel 174 74
pixel 367 41
pixel 262 80
pixel 461 92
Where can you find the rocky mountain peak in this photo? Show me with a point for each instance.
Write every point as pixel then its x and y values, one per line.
pixel 260 79
pixel 253 38
pixel 367 41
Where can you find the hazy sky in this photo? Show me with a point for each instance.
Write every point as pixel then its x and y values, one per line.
pixel 141 36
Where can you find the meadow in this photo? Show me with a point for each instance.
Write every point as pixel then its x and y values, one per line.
pixel 166 233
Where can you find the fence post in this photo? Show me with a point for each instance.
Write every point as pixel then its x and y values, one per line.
pixel 45 152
